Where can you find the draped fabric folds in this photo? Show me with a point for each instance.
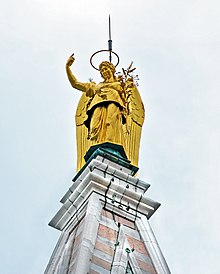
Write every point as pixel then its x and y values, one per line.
pixel 115 113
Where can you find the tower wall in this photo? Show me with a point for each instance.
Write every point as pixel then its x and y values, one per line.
pixel 104 224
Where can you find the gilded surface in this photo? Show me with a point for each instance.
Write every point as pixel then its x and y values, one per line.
pixel 111 111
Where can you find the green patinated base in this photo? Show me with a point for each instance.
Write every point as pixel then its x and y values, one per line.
pixel 113 149
pixel 110 151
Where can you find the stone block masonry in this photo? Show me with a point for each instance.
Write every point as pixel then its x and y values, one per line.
pixel 104 224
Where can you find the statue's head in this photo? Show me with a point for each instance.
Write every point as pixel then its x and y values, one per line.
pixel 107 70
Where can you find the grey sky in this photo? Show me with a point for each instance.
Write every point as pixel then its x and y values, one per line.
pixel 175 47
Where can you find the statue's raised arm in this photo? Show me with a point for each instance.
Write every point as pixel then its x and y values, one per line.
pixel 84 87
pixel 83 143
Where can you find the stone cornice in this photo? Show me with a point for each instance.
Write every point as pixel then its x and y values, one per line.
pixel 118 190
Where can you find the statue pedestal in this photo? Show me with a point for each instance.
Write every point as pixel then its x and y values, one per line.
pixel 104 222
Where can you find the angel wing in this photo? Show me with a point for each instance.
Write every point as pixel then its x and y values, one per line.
pixel 82 141
pixel 134 121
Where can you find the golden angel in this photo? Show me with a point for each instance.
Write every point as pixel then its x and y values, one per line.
pixel 110 111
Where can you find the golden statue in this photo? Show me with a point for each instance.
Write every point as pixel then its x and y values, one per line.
pixel 111 111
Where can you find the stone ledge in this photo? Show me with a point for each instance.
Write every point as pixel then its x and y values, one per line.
pixel 107 170
pixel 108 190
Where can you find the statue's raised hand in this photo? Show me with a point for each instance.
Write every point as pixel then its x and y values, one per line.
pixel 70 61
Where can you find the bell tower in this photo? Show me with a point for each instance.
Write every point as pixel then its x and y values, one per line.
pixel 104 221
pixel 104 216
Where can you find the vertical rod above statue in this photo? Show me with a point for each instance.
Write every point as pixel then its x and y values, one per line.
pixel 110 40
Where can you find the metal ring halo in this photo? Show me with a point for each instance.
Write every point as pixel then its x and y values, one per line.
pixel 102 51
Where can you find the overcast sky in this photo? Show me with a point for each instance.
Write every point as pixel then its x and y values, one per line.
pixel 175 46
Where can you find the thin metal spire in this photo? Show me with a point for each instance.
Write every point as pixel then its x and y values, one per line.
pixel 110 39
pixel 109 50
pixel 109 21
